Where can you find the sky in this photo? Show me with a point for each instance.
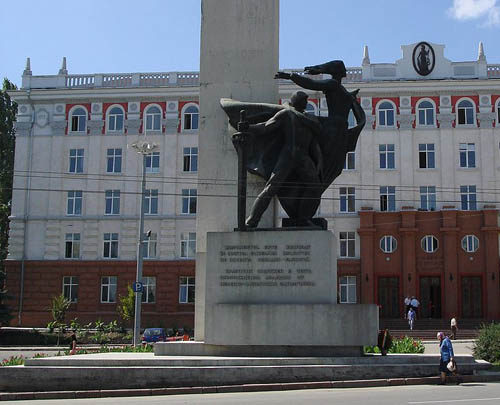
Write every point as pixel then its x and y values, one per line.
pixel 111 36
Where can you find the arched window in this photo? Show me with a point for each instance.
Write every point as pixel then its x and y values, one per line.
pixel 385 114
pixel 311 108
pixel 388 244
pixel 190 118
pixel 425 113
pixel 153 118
pixel 115 119
pixel 79 120
pixel 470 243
pixel 465 112
pixel 429 244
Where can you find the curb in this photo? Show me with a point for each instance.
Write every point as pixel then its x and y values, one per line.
pixel 13 396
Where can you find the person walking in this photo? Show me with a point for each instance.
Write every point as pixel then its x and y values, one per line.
pixel 407 302
pixel 411 317
pixel 447 362
pixel 72 345
pixel 454 328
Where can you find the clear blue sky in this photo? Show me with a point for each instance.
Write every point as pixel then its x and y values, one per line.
pixel 99 36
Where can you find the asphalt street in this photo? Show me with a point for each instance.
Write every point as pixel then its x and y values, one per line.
pixel 464 394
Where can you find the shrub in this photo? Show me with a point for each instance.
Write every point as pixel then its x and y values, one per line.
pixel 403 345
pixel 487 345
pixel 13 361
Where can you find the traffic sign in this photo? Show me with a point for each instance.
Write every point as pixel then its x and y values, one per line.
pixel 138 287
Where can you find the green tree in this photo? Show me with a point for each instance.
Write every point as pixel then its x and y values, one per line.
pixel 8 110
pixel 126 305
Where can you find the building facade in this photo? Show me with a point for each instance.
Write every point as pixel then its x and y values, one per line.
pixel 414 212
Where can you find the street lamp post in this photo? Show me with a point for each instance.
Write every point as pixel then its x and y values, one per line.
pixel 144 148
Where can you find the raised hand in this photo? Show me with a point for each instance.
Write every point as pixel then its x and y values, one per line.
pixel 282 75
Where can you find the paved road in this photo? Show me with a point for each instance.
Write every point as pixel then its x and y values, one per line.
pixel 465 394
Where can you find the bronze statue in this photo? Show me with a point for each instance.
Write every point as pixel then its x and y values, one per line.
pixel 297 154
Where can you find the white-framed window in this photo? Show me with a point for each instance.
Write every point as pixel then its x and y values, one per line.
pixel 110 250
pixel 470 243
pixel 386 114
pixel 186 290
pixel 116 117
pixel 347 289
pixel 149 290
pixel 311 108
pixel 388 244
pixel 387 198
pixel 429 244
pixel 497 109
pixel 425 113
pixel 387 156
pixel 347 199
pixel 189 201
pixel 426 156
pixel 347 242
pixel 114 160
pixel 350 161
pixel 112 200
pixel 153 162
pixel 74 202
pixel 78 119
pixel 149 245
pixel 108 289
pixel 76 160
pixel 467 153
pixel 153 115
pixel 428 198
pixel 151 202
pixel 72 246
pixel 465 112
pixel 190 117
pixel 190 162
pixel 188 245
pixel 468 198
pixel 70 288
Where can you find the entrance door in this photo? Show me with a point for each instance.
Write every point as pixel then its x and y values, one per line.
pixel 430 297
pixel 472 297
pixel 388 297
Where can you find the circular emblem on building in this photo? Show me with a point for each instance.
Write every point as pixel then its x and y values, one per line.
pixel 59 109
pixel 171 106
pixel 445 101
pixel 133 106
pixel 366 103
pixel 96 108
pixel 485 100
pixel 405 101
pixel 424 58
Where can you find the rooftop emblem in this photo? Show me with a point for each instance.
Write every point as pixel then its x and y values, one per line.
pixel 423 58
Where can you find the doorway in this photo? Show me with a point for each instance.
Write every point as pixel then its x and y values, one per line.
pixel 472 297
pixel 388 297
pixel 430 297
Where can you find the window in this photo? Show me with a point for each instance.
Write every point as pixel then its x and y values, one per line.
pixel 189 201
pixel 191 115
pixel 115 119
pixel 428 198
pixel 70 288
pixel 465 112
pixel 386 114
pixel 188 245
pixel 110 245
pixel 468 197
pixel 75 161
pixel 467 155
pixel 347 244
pixel 114 161
pixel 426 155
pixel 190 159
pixel 347 199
pixel 112 198
pixel 387 198
pixel 78 120
pixel 425 113
pixel 388 244
pixel 72 246
pixel 153 119
pixel 350 161
pixel 153 162
pixel 347 286
pixel 470 243
pixel 498 115
pixel 149 289
pixel 74 203
pixel 310 108
pixel 151 202
pixel 186 290
pixel 429 244
pixel 149 245
pixel 386 156
pixel 108 289
pixel 351 120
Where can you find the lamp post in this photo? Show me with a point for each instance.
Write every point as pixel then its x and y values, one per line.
pixel 144 148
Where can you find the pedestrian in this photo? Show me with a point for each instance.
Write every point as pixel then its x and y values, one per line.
pixel 72 345
pixel 454 327
pixel 447 362
pixel 412 315
pixel 407 302
pixel 414 303
pixel 384 341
